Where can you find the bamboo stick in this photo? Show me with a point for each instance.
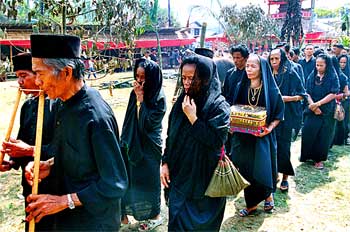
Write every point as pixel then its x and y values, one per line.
pixel 37 151
pixel 12 120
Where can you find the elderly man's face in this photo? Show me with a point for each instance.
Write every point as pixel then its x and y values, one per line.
pixel 54 84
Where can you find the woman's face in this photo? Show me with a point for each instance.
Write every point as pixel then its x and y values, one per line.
pixel 187 75
pixel 275 59
pixel 140 75
pixel 342 62
pixel 252 68
pixel 321 65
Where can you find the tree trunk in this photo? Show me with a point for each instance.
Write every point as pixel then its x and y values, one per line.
pixel 64 13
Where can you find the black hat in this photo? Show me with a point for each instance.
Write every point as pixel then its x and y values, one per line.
pixel 22 61
pixel 204 52
pixel 338 45
pixel 55 46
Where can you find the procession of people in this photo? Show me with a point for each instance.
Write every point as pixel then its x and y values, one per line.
pixel 93 176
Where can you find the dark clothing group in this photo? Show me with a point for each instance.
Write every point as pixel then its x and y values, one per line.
pixel 114 177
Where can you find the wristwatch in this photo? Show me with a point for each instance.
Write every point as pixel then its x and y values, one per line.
pixel 70 201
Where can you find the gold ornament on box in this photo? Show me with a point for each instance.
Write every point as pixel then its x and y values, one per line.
pixel 247 119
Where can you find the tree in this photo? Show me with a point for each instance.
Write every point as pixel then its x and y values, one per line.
pixel 248 23
pixel 243 25
pixel 292 27
pixel 117 16
pixel 345 18
pixel 327 13
pixel 153 18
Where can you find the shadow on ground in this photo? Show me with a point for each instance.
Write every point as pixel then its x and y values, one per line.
pixel 255 221
pixel 308 178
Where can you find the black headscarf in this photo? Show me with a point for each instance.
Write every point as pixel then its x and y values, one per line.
pixel 143 134
pixel 285 64
pixel 265 163
pixel 346 71
pixel 273 98
pixel 153 81
pixel 190 154
pixel 205 69
pixel 343 79
pixel 210 87
pixel 332 85
pixel 329 73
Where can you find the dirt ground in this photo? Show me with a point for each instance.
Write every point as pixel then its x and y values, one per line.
pixel 316 201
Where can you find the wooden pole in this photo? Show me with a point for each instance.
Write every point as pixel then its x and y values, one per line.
pixel 11 55
pixel 37 151
pixel 202 38
pixel 12 120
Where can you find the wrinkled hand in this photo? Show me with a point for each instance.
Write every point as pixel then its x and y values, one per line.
pixel 318 111
pixel 44 171
pixel 164 175
pixel 44 204
pixel 313 107
pixel 138 89
pixel 190 109
pixel 6 165
pixel 17 148
pixel 266 131
pixel 339 96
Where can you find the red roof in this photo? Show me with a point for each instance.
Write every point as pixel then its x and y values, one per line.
pixel 24 43
pixel 313 35
pixel 111 45
pixel 305 14
pixel 163 43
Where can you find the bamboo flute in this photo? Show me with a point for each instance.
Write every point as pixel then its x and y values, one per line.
pixel 37 150
pixel 12 120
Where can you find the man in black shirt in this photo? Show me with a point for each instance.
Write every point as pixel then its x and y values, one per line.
pixel 88 164
pixel 21 149
pixel 309 62
pixel 240 55
pixel 153 55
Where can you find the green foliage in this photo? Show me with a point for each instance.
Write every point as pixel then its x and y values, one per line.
pixel 345 40
pixel 345 19
pixel 154 16
pixel 327 13
pixel 120 16
pixel 248 23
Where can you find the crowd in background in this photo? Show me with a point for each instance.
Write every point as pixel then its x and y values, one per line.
pixel 102 178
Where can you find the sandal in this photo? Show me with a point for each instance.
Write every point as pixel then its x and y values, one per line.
pixel 151 224
pixel 319 165
pixel 284 186
pixel 245 212
pixel 269 206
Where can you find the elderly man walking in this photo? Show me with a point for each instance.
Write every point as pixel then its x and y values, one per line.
pixel 88 165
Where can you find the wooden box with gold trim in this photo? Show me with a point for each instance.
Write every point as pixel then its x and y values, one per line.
pixel 247 119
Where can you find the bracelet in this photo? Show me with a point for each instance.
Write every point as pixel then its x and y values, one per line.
pixel 51 161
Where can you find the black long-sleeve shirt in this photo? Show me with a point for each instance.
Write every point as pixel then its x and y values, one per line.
pixel 88 162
